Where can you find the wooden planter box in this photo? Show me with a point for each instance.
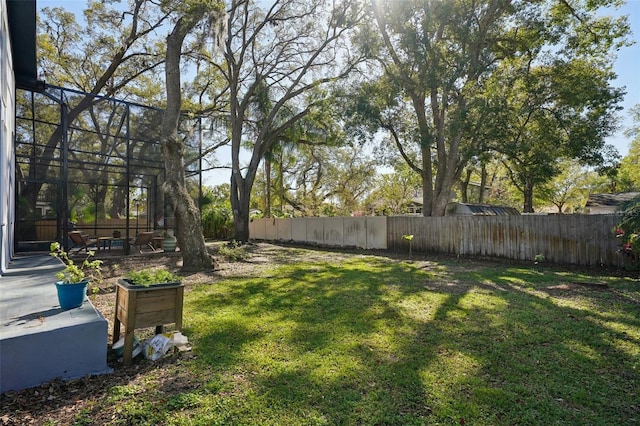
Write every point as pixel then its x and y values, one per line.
pixel 140 307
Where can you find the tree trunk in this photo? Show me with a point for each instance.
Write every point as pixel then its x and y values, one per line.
pixel 425 153
pixel 281 183
pixel 190 236
pixel 464 187
pixel 483 183
pixel 240 197
pixel 528 197
pixel 267 192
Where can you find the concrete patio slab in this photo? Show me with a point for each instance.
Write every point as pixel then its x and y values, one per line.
pixel 39 341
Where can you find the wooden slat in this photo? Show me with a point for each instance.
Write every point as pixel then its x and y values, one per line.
pixel 152 304
pixel 151 319
pixel 576 239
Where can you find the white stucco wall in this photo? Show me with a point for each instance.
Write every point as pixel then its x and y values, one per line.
pixel 7 128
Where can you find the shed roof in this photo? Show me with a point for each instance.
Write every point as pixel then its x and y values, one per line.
pixel 610 200
pixel 480 210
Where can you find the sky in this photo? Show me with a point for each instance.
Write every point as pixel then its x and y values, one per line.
pixel 626 66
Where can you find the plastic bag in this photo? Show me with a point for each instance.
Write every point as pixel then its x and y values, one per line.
pixel 157 346
pixel 179 339
pixel 118 348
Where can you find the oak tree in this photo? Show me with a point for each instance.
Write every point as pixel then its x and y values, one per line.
pixel 292 47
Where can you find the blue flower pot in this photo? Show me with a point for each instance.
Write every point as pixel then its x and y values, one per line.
pixel 71 295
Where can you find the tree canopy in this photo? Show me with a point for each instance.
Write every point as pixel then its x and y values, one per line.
pixel 440 61
pixel 629 171
pixel 287 50
pixel 453 85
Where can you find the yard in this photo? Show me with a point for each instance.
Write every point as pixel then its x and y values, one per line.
pixel 299 336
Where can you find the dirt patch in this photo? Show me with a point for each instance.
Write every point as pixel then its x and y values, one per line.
pixel 575 285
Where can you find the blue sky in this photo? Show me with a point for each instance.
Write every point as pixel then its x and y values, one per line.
pixel 627 65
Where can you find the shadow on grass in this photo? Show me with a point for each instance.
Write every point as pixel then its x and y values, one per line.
pixel 379 341
pixel 373 342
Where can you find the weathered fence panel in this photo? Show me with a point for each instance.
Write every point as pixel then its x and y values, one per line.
pixel 354 232
pixel 298 229
pixel 376 232
pixel 363 232
pixel 46 229
pixel 256 229
pixel 333 231
pixel 315 230
pixel 270 229
pixel 575 239
pixel 285 229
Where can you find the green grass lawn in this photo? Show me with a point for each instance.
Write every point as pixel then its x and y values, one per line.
pixel 370 340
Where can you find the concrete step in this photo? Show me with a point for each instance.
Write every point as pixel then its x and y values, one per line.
pixel 39 341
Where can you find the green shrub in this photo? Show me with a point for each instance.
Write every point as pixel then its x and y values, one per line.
pixel 234 251
pixel 628 230
pixel 217 222
pixel 146 277
pixel 75 272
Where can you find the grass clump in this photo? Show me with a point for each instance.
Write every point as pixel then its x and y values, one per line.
pixel 234 251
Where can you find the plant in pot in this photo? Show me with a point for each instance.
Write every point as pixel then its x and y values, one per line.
pixel 151 278
pixel 74 278
pixel 146 298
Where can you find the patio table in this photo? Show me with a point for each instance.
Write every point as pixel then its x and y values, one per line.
pixel 107 242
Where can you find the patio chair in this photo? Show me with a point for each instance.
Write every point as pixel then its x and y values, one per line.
pixel 81 241
pixel 143 239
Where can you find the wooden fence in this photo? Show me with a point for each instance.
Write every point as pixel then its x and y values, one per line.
pixel 585 240
pixel 365 232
